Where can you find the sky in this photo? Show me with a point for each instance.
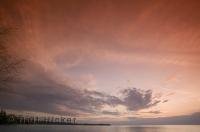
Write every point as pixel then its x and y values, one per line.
pixel 125 61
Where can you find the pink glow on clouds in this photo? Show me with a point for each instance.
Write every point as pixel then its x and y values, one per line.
pixel 102 44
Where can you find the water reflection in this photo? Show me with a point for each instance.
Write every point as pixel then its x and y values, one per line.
pixel 59 128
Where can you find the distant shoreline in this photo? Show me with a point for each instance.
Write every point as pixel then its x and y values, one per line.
pixel 77 124
pixel 11 119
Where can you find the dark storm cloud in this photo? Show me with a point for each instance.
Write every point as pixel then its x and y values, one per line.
pixel 136 99
pixel 38 91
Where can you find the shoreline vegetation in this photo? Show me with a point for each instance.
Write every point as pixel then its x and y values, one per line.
pixel 12 119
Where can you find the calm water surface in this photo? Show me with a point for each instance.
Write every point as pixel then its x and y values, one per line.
pixel 59 128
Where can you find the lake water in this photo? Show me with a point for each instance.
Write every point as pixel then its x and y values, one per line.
pixel 62 128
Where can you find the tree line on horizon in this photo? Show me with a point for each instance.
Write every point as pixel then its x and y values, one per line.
pixel 19 119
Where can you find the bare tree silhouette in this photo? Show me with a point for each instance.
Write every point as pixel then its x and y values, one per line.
pixel 9 64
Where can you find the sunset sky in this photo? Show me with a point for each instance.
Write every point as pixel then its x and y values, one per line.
pixel 107 60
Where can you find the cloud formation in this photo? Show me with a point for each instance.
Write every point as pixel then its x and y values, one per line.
pixel 136 99
pixel 38 91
